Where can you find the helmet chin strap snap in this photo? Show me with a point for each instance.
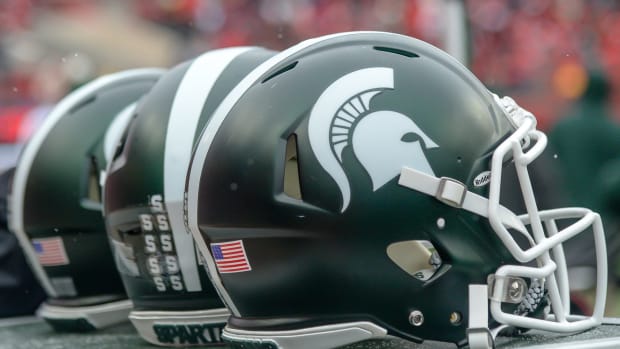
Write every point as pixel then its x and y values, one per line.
pixel 479 336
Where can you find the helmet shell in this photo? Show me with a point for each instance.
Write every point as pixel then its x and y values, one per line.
pixel 357 107
pixel 56 209
pixel 156 256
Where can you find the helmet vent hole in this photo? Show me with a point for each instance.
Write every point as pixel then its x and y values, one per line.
pixel 292 186
pixel 396 51
pixel 280 71
pixel 120 147
pixel 82 104
pixel 92 197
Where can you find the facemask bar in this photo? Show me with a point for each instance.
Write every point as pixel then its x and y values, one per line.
pixel 553 271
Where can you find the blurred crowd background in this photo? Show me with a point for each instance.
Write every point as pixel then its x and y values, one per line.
pixel 537 50
pixel 558 59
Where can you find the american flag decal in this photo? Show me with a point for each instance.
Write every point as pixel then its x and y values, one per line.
pixel 50 251
pixel 230 257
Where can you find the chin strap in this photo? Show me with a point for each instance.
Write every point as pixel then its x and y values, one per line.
pixel 454 193
pixel 478 334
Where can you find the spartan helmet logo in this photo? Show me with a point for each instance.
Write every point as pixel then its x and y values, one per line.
pixel 383 141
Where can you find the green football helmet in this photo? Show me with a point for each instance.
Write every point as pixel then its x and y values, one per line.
pixel 56 209
pixel 174 301
pixel 348 189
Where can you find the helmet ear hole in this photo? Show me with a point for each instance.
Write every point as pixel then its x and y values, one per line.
pixel 418 258
pixel 292 186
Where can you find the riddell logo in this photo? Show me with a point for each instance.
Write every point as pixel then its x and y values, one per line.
pixel 482 179
pixel 188 334
pixel 383 141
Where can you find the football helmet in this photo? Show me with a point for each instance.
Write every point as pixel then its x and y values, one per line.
pixel 56 209
pixel 20 292
pixel 348 188
pixel 174 301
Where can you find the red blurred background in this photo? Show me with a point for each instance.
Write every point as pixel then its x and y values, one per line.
pixel 537 51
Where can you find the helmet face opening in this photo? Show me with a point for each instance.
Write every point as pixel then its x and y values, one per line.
pixel 394 210
pixel 418 258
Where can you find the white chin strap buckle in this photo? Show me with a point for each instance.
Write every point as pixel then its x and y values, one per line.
pixel 451 192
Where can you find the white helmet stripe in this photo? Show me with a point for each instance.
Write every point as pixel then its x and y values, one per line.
pixel 187 107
